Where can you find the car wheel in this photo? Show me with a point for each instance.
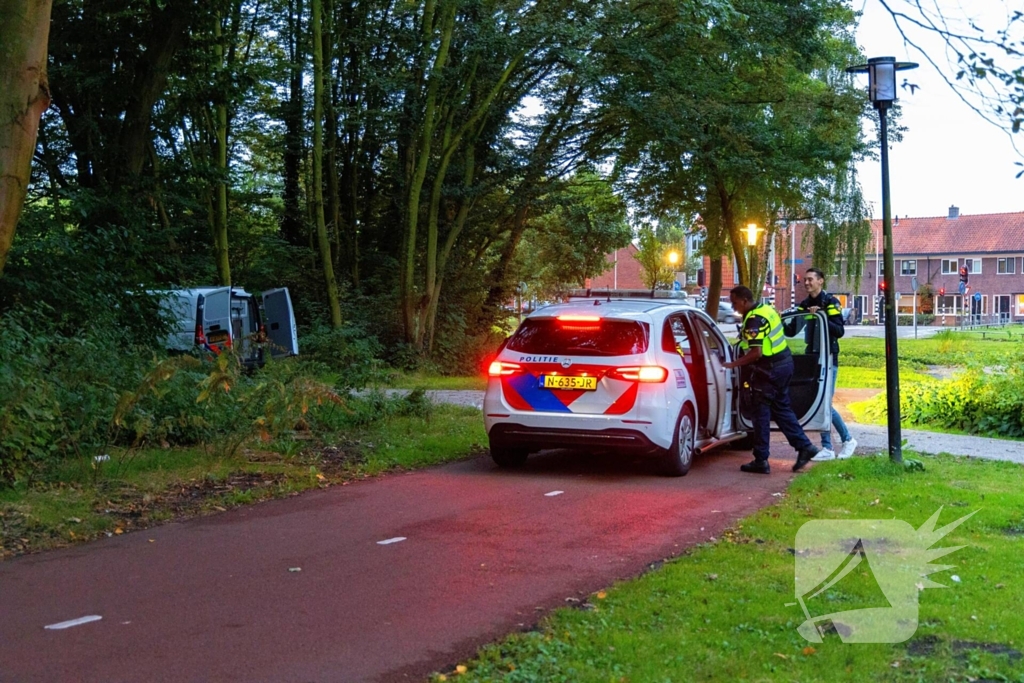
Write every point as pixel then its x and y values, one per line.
pixel 679 457
pixel 507 457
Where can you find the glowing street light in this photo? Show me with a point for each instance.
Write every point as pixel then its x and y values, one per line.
pixel 752 231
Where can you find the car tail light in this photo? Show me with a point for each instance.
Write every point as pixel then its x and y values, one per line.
pixel 579 322
pixel 641 373
pixel 500 369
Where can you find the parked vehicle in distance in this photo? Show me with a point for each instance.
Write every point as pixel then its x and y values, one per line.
pixel 217 318
pixel 635 376
pixel 726 313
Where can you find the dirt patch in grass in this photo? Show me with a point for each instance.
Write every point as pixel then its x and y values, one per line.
pixel 844 397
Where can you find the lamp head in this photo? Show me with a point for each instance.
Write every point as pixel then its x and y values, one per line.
pixel 881 73
pixel 752 231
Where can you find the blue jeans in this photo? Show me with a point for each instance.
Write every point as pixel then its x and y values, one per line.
pixel 772 403
pixel 837 419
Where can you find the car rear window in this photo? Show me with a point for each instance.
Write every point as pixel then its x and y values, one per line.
pixel 580 338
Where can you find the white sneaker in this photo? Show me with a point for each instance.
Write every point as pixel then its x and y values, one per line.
pixel 824 454
pixel 848 448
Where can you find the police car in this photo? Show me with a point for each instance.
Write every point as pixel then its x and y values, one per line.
pixel 630 376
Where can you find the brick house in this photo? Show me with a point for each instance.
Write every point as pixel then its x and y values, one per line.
pixel 934 249
pixel 624 271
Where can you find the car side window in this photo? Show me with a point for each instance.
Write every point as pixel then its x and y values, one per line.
pixel 711 340
pixel 676 339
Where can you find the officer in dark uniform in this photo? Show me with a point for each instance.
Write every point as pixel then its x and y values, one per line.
pixel 770 371
pixel 820 300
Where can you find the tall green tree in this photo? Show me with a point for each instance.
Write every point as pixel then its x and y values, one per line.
pixel 24 95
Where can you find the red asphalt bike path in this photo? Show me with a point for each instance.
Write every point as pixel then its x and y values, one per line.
pixel 486 553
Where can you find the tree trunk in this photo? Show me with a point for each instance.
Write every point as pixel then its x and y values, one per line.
pixel 323 240
pixel 420 159
pixel 714 286
pixel 24 96
pixel 220 160
pixel 291 222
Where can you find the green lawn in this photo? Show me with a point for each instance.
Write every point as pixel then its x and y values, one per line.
pixel 424 380
pixel 719 613
pixel 853 377
pixel 133 490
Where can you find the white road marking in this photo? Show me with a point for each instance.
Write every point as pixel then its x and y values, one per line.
pixel 554 493
pixel 389 541
pixel 74 622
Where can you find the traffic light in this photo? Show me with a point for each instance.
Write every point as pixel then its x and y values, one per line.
pixel 881 286
pixel 942 291
pixel 700 277
pixel 965 274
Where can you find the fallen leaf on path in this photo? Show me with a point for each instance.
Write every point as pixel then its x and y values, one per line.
pixel 601 595
pixel 118 531
pixel 295 569
pixel 461 668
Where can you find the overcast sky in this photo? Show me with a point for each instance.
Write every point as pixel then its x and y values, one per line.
pixel 949 154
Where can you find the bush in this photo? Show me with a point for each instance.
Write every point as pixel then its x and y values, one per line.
pixel 922 319
pixel 985 402
pixel 348 351
pixel 59 393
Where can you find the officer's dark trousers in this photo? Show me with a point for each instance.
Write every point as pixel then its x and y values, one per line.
pixel 771 381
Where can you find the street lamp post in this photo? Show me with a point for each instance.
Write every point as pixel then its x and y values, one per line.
pixel 881 73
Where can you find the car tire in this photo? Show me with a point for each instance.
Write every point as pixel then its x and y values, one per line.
pixel 679 457
pixel 507 457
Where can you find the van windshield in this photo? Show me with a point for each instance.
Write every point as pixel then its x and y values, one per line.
pixel 598 338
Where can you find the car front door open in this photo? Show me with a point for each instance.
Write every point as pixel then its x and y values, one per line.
pixel 810 390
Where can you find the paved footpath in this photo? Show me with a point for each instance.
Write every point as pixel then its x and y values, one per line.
pixel 303 589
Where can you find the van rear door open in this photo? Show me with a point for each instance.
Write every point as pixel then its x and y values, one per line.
pixel 279 318
pixel 217 317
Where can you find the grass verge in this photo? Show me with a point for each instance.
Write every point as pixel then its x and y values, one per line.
pixel 422 380
pixel 853 377
pixel 132 491
pixel 720 612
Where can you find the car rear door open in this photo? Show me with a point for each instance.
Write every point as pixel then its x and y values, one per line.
pixel 279 318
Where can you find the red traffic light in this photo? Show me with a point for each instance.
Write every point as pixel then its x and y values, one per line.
pixel 942 291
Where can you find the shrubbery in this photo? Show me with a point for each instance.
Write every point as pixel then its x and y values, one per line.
pixel 69 397
pixel 922 319
pixel 985 402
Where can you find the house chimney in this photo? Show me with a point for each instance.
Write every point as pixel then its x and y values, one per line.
pixel 954 211
pixel 895 220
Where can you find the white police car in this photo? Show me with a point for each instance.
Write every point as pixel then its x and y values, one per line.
pixel 631 376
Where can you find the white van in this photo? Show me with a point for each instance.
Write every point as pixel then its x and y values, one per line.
pixel 215 318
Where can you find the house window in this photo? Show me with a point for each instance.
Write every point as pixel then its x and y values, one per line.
pixel 973 265
pixel 1004 266
pixel 949 266
pixel 1020 304
pixel 908 267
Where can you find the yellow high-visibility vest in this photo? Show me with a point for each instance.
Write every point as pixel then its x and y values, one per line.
pixel 773 341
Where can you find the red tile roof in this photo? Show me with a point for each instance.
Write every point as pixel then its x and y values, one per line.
pixel 993 233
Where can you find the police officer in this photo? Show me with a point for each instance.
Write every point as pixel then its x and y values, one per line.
pixel 820 300
pixel 771 369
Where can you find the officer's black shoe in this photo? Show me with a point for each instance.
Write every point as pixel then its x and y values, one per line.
pixel 804 457
pixel 757 467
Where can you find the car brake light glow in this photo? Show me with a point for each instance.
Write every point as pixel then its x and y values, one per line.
pixel 580 318
pixel 641 373
pixel 499 369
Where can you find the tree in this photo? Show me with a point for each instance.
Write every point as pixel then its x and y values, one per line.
pixel 570 242
pixel 24 96
pixel 652 256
